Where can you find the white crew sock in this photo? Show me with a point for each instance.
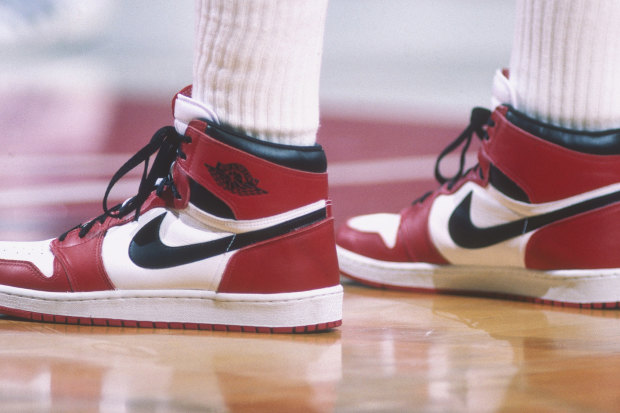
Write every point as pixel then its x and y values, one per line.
pixel 564 62
pixel 257 64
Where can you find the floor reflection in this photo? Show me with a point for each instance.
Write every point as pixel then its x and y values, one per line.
pixel 419 352
pixel 78 368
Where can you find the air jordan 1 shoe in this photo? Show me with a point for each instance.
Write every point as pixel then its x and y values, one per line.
pixel 538 218
pixel 226 232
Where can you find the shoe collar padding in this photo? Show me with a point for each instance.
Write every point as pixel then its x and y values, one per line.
pixel 503 91
pixel 185 109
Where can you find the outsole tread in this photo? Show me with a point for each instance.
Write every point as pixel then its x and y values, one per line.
pixel 103 322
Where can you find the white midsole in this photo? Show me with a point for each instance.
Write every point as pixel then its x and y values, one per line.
pixel 574 286
pixel 186 306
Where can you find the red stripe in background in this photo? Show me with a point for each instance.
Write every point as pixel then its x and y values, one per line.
pixel 130 124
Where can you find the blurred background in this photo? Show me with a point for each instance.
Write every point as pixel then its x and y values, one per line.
pixel 84 84
pixel 393 56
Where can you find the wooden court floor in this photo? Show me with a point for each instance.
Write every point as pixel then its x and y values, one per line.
pixel 395 351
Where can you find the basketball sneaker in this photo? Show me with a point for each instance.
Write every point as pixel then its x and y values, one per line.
pixel 538 218
pixel 226 232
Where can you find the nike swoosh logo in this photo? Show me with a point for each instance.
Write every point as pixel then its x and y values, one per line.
pixel 467 235
pixel 147 250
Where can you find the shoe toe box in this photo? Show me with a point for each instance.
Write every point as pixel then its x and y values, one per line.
pixel 30 265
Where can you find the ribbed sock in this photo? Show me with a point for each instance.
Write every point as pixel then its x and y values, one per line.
pixel 257 64
pixel 564 62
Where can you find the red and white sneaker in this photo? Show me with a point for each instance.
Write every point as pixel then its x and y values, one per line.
pixel 537 219
pixel 226 232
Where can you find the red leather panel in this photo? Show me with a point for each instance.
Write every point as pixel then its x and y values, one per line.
pixel 588 240
pixel 547 172
pixel 414 233
pixel 24 274
pixel 81 260
pixel 280 188
pixel 300 261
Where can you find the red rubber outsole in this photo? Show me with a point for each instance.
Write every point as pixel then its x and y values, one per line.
pixel 60 319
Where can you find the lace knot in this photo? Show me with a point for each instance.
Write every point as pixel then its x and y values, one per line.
pixel 166 142
pixel 478 119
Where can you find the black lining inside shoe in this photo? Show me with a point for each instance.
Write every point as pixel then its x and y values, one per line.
pixel 303 158
pixel 208 202
pixel 605 142
pixel 505 185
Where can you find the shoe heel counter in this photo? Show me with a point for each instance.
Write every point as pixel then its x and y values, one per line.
pixel 587 241
pixel 300 261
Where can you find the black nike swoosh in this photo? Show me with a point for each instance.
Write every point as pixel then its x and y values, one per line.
pixel 146 249
pixel 467 235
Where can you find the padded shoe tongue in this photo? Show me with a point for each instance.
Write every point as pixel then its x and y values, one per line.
pixel 185 109
pixel 503 92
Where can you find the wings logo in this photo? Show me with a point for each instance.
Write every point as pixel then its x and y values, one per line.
pixel 235 178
